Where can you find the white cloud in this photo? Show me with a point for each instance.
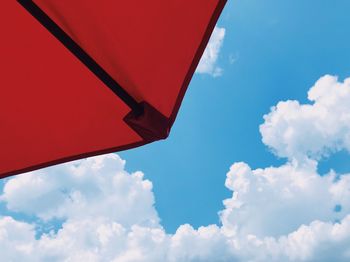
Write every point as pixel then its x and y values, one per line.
pixel 208 62
pixel 285 213
pixel 317 242
pixel 16 239
pixel 312 130
pixel 83 189
pixel 282 198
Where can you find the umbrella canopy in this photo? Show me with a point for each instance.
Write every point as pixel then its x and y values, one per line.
pixel 84 77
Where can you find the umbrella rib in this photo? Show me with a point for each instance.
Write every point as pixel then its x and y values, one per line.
pixel 81 54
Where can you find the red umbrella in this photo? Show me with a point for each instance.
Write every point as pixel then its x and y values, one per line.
pixel 84 77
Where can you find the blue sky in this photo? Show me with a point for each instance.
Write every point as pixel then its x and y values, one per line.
pixel 272 51
pixel 280 49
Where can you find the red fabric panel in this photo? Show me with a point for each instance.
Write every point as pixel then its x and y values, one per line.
pixel 147 46
pixel 53 109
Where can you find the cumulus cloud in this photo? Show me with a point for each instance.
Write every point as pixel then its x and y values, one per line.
pixel 208 62
pixel 108 214
pixel 16 239
pixel 282 198
pixel 314 130
pixel 83 189
pixel 284 213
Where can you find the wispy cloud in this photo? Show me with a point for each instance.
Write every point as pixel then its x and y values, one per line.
pixel 208 63
pixel 284 213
